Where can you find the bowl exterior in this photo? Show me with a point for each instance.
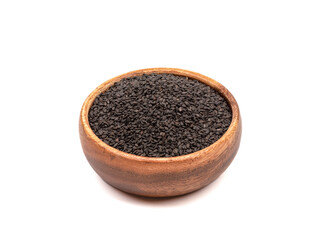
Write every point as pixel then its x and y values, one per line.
pixel 157 178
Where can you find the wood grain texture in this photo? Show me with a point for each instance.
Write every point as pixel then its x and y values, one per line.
pixel 160 177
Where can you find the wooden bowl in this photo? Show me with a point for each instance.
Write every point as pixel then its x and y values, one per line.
pixel 160 177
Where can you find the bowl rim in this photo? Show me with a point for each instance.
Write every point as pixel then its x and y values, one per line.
pixel 176 71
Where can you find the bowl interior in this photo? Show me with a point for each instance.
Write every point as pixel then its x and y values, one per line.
pixel 206 80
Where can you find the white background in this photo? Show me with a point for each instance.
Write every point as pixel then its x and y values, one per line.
pixel 275 58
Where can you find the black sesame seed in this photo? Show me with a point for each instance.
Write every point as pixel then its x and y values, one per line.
pixel 160 115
